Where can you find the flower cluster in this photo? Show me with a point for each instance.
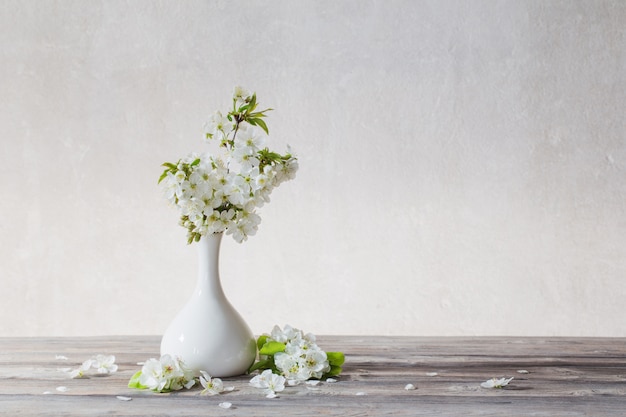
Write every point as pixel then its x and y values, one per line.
pixel 163 375
pixel 220 193
pixel 296 356
pixel 103 364
pixel 171 374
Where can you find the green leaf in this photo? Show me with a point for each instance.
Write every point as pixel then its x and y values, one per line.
pixel 260 113
pixel 271 347
pixel 335 358
pixel 268 156
pixel 255 121
pixel 262 125
pixel 248 106
pixel 194 163
pixel 261 341
pixel 334 371
pixel 134 381
pixel 170 168
pixel 264 364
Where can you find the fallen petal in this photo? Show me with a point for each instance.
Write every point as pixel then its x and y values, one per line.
pixel 431 374
pixel 271 395
pixel 523 371
pixel 225 405
pixel 61 357
pixel 409 387
pixel 122 398
pixel 361 393
pixel 496 383
pixel 331 380
pixel 313 383
pixel 228 389
pixel 62 389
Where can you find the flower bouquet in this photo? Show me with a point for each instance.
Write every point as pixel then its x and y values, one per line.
pixel 220 193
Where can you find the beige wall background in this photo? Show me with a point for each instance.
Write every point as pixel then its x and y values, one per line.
pixel 461 164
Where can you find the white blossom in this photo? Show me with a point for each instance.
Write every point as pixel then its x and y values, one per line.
pixel 104 364
pixel 240 94
pixel 212 386
pixel 218 126
pixel 152 375
pixel 250 140
pixel 269 382
pixel 166 374
pixel 496 382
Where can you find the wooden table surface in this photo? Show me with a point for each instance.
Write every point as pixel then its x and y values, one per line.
pixel 566 377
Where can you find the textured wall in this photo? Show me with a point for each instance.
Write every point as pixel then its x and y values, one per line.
pixel 461 164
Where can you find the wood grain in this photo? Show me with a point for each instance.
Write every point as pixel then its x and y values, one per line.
pixel 566 377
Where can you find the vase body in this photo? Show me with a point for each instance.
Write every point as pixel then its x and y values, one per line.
pixel 208 333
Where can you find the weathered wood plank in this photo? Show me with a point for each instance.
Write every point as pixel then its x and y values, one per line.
pixel 566 377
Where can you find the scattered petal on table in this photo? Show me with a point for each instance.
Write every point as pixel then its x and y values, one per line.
pixel 225 405
pixel 523 371
pixel 331 380
pixel 313 382
pixel 361 393
pixel 431 374
pixel 122 398
pixel 61 357
pixel 496 383
pixel 409 387
pixel 62 389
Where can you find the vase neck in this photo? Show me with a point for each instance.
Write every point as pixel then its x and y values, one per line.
pixel 208 265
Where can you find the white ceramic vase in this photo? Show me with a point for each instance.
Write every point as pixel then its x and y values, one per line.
pixel 208 333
